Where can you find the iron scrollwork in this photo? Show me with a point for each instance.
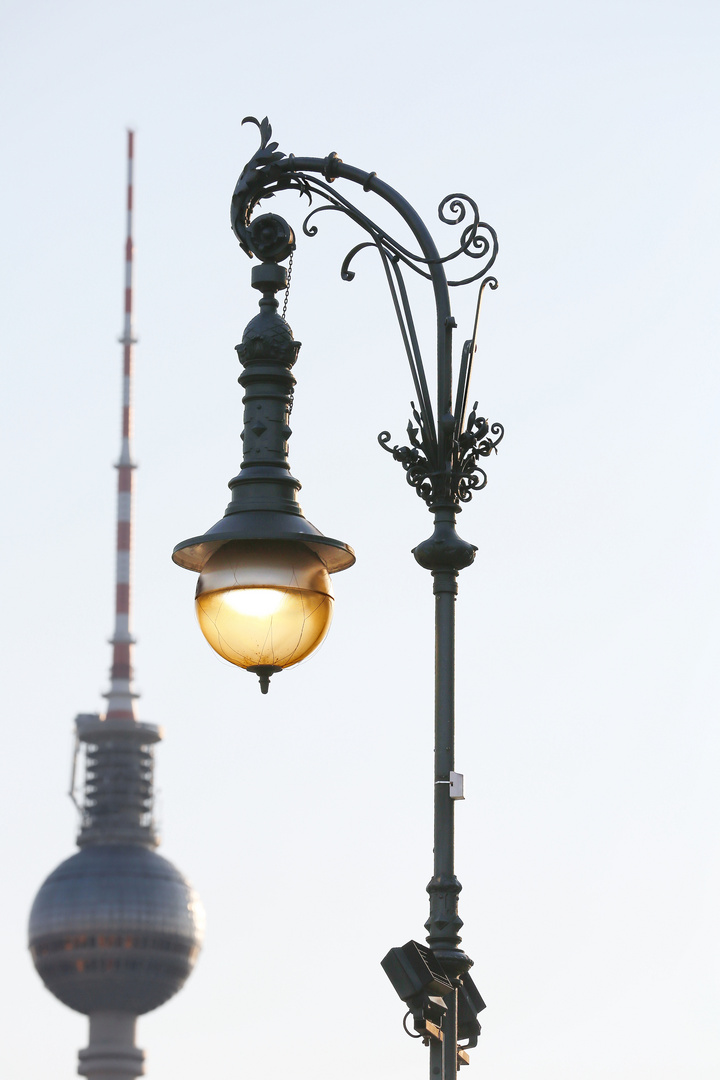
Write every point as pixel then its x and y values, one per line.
pixel 442 460
pixel 417 459
pixel 465 476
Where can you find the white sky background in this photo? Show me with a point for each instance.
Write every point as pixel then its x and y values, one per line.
pixel 587 686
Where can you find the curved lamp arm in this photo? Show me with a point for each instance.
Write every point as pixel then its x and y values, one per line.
pixel 442 460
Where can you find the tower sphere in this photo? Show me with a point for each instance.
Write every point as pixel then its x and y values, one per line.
pixel 115 927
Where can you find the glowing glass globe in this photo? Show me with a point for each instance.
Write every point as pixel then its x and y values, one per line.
pixel 264 603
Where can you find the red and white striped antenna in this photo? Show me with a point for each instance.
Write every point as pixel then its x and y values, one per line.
pixel 121 697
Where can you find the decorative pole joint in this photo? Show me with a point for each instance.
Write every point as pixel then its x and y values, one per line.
pixel 444 924
pixel 331 167
pixel 444 550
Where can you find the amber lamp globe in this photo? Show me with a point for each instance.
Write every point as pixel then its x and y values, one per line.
pixel 264 605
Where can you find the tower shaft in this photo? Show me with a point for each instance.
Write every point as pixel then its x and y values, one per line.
pixel 115 929
pixel 121 697
pixel 111 1053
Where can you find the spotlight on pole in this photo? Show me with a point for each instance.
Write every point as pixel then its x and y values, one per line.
pixel 419 980
pixel 470 1003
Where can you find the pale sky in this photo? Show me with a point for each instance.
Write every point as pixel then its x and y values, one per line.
pixel 587 676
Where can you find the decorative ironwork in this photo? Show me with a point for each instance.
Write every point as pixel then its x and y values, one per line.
pixel 434 483
pixel 419 460
pixel 442 459
pixel 270 170
pixel 252 185
pixel 474 443
pixel 271 238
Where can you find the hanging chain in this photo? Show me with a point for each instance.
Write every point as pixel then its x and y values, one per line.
pixel 287 290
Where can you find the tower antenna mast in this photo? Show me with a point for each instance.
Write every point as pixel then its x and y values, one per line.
pixel 121 697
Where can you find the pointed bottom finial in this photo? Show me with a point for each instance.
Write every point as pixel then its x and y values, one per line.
pixel 263 672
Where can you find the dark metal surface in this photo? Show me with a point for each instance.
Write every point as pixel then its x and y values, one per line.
pixel 115 927
pixel 264 503
pixel 415 973
pixel 434 482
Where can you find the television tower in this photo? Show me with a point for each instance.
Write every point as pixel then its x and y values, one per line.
pixel 115 930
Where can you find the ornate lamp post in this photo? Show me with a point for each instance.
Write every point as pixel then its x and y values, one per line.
pixel 264 598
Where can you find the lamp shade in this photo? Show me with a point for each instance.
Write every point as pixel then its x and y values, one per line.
pixel 268 524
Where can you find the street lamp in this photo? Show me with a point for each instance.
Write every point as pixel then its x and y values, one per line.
pixel 264 599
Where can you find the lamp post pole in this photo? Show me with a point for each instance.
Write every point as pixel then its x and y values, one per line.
pixel 264 521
